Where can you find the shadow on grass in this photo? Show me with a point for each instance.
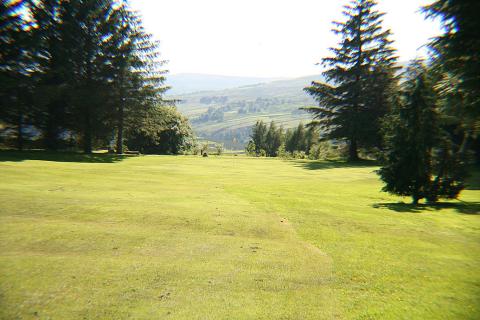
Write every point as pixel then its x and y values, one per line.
pixel 18 156
pixel 473 181
pixel 332 164
pixel 460 207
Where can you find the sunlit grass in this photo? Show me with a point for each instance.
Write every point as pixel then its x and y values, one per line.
pixel 227 238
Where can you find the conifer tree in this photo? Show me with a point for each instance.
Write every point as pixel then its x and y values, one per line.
pixel 14 66
pixel 456 56
pixel 458 49
pixel 50 58
pixel 138 81
pixel 289 147
pixel 311 138
pixel 273 139
pixel 85 68
pixel 259 133
pixel 418 160
pixel 296 139
pixel 359 80
pixel 90 25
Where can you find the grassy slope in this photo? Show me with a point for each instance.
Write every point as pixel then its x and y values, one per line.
pixel 290 89
pixel 287 120
pixel 227 238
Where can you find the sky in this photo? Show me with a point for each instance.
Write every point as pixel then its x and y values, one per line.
pixel 266 38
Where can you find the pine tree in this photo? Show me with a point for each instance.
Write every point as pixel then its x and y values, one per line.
pixel 456 56
pixel 289 146
pixel 85 68
pixel 259 133
pixel 273 139
pixel 418 161
pixel 138 82
pixel 299 138
pixel 278 140
pixel 90 27
pixel 50 54
pixel 458 49
pixel 15 86
pixel 311 138
pixel 296 139
pixel 359 80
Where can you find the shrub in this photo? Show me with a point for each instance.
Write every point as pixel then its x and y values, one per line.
pixel 219 148
pixel 324 150
pixel 299 154
pixel 282 153
pixel 204 148
pixel 250 148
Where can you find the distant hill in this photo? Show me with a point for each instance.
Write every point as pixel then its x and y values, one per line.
pixel 194 82
pixel 227 115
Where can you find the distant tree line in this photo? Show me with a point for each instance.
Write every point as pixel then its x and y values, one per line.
pixel 212 114
pixel 83 73
pixel 260 105
pixel 214 99
pixel 232 138
pixel 423 122
pixel 273 141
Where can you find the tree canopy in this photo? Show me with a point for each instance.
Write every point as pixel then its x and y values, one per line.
pixel 359 79
pixel 80 73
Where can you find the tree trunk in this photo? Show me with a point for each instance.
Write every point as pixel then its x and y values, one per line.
pixel 353 150
pixel 353 147
pixel 20 131
pixel 51 134
pixel 89 85
pixel 87 134
pixel 120 128
pixel 464 145
pixel 415 196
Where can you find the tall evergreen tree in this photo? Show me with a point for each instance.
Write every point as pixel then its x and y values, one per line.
pixel 311 138
pixel 138 81
pixel 91 26
pixel 360 78
pixel 456 56
pixel 418 160
pixel 298 142
pixel 14 69
pixel 289 147
pixel 86 68
pixel 458 48
pixel 273 139
pixel 259 133
pixel 50 54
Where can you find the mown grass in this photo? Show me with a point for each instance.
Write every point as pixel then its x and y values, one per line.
pixel 164 237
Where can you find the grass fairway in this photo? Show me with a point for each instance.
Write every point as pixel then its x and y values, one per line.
pixel 163 237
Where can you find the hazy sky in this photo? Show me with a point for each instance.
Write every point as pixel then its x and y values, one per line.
pixel 266 38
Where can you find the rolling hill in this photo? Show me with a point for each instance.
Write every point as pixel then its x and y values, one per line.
pixel 227 115
pixel 192 82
